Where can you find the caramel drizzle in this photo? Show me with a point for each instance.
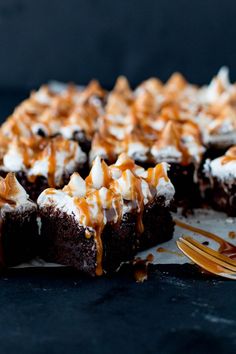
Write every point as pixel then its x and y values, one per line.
pixel 105 175
pixel 8 189
pixel 155 174
pixel 37 148
pixel 84 209
pixel 225 248
pixel 51 164
pixel 227 159
pixel 139 197
pixel 165 250
pixel 58 109
pixel 98 225
pixel 171 136
pixel 229 156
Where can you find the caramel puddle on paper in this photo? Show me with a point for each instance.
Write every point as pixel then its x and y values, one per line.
pixel 165 250
pixel 232 234
pixel 225 248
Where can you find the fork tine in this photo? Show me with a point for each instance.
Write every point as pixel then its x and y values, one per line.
pixel 203 262
pixel 209 253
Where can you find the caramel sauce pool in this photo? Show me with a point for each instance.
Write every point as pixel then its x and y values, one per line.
pixel 225 248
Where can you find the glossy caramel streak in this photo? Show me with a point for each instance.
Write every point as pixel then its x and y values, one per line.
pixel 225 248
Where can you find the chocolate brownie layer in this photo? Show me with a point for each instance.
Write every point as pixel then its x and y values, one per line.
pixel 64 241
pixel 158 225
pixel 187 193
pixel 221 197
pixel 19 236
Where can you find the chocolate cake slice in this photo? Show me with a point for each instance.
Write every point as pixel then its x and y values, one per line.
pixel 96 224
pixel 219 185
pixel 41 162
pixel 18 223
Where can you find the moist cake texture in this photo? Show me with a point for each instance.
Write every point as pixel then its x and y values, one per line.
pixel 94 224
pixel 18 224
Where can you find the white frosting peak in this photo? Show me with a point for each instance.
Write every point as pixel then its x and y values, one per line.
pixel 125 185
pixel 11 192
pixel 223 172
pixel 76 187
pixel 97 173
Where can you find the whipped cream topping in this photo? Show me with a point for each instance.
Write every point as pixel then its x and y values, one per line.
pixel 50 112
pixel 99 175
pixel 37 156
pixel 219 88
pixel 12 194
pixel 132 121
pixel 178 142
pixel 124 178
pixel 223 168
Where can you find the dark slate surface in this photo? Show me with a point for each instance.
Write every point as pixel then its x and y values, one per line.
pixel 81 39
pixel 172 312
pixel 177 310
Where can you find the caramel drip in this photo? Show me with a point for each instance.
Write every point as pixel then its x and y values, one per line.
pixel 51 150
pixel 229 156
pixel 97 225
pixel 171 136
pixel 8 189
pixel 105 174
pixel 128 164
pixel 225 248
pixel 155 174
pixel 145 105
pixel 49 191
pixel 83 206
pixel 165 250
pixel 227 159
pixel 107 142
pixel 137 195
pixel 171 112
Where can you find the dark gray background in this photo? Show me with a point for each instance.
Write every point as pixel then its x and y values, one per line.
pixel 81 39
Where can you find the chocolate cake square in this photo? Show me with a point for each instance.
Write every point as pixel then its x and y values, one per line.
pixel 96 224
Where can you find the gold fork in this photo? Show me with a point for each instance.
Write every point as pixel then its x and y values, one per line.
pixel 208 259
